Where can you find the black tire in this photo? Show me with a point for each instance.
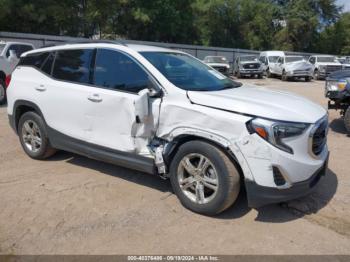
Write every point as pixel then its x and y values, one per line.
pixel 347 120
pixel 307 79
pixel 228 178
pixel 239 74
pixel 2 92
pixel 268 73
pixel 260 76
pixel 45 150
pixel 284 76
pixel 316 75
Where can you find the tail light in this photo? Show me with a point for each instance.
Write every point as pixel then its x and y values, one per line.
pixel 7 80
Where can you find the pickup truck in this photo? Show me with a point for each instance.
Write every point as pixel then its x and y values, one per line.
pixel 324 65
pixel 292 67
pixel 9 58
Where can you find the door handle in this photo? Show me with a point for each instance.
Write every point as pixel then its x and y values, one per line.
pixel 95 98
pixel 40 88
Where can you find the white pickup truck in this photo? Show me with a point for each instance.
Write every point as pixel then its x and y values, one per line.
pixel 9 58
pixel 292 67
pixel 324 65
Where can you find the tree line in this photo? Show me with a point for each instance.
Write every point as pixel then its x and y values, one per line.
pixel 290 25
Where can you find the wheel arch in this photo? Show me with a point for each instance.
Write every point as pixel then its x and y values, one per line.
pixel 172 148
pixel 23 106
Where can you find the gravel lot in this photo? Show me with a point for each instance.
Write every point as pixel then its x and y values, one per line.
pixel 74 205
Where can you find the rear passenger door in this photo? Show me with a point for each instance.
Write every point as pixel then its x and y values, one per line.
pixel 64 95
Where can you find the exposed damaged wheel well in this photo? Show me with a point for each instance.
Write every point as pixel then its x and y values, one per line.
pixel 175 144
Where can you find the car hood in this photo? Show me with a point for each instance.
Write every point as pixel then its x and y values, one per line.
pixel 218 64
pixel 262 102
pixel 298 65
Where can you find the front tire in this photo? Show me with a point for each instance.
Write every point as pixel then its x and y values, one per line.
pixel 317 75
pixel 33 136
pixel 204 179
pixel 307 79
pixel 2 92
pixel 347 120
pixel 284 76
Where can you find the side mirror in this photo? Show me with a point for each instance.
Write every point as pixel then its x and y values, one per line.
pixel 13 55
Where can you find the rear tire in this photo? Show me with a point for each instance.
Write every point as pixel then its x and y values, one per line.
pixel 33 136
pixel 2 92
pixel 204 179
pixel 347 120
pixel 284 76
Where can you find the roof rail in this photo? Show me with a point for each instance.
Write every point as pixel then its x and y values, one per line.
pixel 90 41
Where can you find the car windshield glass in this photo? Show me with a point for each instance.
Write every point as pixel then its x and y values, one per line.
pixel 2 46
pixel 325 59
pixel 290 59
pixel 273 59
pixel 188 73
pixel 248 58
pixel 217 59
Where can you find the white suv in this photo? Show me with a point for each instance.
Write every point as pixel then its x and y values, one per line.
pixel 164 112
pixel 9 57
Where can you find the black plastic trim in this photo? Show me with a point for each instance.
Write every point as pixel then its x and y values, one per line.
pixel 116 157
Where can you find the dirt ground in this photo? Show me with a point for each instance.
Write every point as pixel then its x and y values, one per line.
pixel 74 205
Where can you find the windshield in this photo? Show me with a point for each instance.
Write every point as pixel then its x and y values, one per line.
pixel 216 59
pixel 2 46
pixel 290 59
pixel 325 59
pixel 188 73
pixel 249 58
pixel 273 59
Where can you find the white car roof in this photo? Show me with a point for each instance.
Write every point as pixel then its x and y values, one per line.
pixel 272 53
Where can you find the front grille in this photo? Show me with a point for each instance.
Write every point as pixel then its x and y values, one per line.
pixel 301 71
pixel 319 138
pixel 251 66
pixel 333 68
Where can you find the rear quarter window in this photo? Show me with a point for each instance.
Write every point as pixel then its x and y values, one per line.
pixel 36 60
pixel 73 65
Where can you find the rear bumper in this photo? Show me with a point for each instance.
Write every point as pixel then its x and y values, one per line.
pixel 260 195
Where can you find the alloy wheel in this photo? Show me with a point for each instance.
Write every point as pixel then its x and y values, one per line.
pixel 31 136
pixel 198 178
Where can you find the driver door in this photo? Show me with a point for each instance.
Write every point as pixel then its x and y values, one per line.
pixel 119 83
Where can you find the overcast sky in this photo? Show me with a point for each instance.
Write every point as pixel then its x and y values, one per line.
pixel 346 4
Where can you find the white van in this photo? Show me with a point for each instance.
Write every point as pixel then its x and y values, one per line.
pixel 268 59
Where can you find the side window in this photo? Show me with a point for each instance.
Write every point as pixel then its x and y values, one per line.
pixel 73 65
pixel 312 60
pixel 22 49
pixel 115 70
pixel 35 60
pixel 47 66
pixel 12 48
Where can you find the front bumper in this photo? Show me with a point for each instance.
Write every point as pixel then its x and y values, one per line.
pixel 299 74
pixel 260 196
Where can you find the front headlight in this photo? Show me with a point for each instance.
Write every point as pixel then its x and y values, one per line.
pixel 276 132
pixel 339 85
pixel 322 68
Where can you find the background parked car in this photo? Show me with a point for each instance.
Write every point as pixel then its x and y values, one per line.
pixel 324 65
pixel 248 65
pixel 288 67
pixel 9 58
pixel 337 89
pixel 345 61
pixel 269 58
pixel 219 63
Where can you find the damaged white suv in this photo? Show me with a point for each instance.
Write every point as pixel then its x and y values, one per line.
pixel 165 112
